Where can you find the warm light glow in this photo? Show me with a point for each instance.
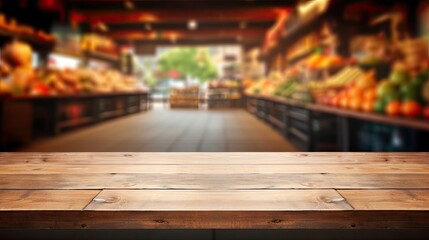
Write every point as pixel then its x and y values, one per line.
pixel 192 24
pixel 102 27
pixel 146 17
pixel 319 5
pixel 243 25
pixel 129 5
pixel 173 37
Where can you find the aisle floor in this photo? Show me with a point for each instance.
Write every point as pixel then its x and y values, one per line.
pixel 172 131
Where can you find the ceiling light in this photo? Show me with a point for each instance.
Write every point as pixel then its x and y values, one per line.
pixel 102 27
pixel 192 24
pixel 243 25
pixel 129 5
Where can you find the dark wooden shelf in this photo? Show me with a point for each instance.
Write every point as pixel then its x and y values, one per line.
pixel 295 33
pixel 75 122
pixel 76 96
pixel 103 56
pixel 415 123
pixel 273 120
pixel 112 114
pixel 55 118
pixel 301 55
pixel 32 40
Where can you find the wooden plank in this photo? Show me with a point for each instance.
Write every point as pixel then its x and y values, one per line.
pixel 19 200
pixel 387 199
pixel 214 219
pixel 214 181
pixel 211 158
pixel 214 169
pixel 378 193
pixel 265 200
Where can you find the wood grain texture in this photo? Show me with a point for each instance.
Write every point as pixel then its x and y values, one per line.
pixel 211 190
pixel 387 199
pixel 215 219
pixel 267 200
pixel 211 158
pixel 214 181
pixel 214 169
pixel 45 199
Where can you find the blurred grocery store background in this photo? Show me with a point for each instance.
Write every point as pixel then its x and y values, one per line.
pixel 200 75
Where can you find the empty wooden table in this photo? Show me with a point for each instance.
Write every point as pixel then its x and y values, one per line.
pixel 214 190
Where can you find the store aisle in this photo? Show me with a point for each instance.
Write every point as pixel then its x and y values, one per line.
pixel 172 131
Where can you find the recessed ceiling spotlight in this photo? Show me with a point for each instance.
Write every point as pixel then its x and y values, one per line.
pixel 129 5
pixel 192 24
pixel 102 27
pixel 243 25
pixel 148 26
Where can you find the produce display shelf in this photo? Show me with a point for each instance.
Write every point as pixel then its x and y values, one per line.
pixel 295 32
pixel 299 134
pixel 112 114
pixel 51 115
pixel 133 109
pixel 102 56
pixel 225 88
pixel 75 122
pixel 184 106
pixel 302 55
pixel 76 96
pixel 314 127
pixel 218 103
pixel 420 124
pixel 275 121
pixel 6 34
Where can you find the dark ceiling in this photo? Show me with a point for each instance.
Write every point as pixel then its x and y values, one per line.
pixel 166 22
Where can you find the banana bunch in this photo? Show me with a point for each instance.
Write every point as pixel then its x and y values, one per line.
pixel 344 77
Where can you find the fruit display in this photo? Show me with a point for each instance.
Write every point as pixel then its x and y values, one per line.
pixel 98 43
pixel 261 87
pixel 18 54
pixel 370 50
pixel 319 61
pixel 23 80
pixel 266 86
pixel 224 90
pixel 223 84
pixel 415 51
pixel 404 93
pixel 308 44
pixel 323 91
pixel 44 82
pixel 188 97
pixel 343 78
pixel 4 88
pixel 13 27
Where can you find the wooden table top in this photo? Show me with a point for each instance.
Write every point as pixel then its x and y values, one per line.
pixel 214 190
